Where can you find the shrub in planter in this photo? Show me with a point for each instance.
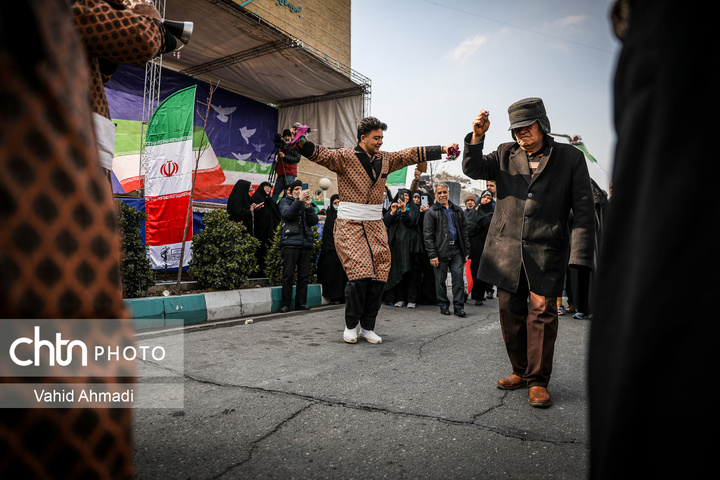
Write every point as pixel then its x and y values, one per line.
pixel 274 263
pixel 136 274
pixel 223 253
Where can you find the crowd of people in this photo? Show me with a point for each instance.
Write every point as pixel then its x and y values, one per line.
pixel 400 249
pixel 428 237
pixel 413 278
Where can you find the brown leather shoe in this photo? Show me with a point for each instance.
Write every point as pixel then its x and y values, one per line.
pixel 511 382
pixel 539 397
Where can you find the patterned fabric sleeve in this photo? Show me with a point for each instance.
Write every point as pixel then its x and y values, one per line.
pixel 114 35
pixel 330 159
pixel 412 156
pixel 117 35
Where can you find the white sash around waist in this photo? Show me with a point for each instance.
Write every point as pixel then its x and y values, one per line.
pixel 105 137
pixel 359 212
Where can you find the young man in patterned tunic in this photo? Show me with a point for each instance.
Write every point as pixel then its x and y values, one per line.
pixel 360 236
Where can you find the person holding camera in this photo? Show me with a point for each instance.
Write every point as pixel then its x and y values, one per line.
pixel 298 216
pixel 287 160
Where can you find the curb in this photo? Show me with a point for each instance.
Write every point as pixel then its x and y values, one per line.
pixel 180 310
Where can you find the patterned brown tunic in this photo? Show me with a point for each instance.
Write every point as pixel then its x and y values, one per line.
pixel 362 246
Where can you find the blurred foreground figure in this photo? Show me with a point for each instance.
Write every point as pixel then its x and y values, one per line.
pixel 650 410
pixel 59 251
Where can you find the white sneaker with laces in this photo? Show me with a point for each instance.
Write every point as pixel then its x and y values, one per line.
pixel 350 335
pixel 400 304
pixel 370 336
pixel 411 305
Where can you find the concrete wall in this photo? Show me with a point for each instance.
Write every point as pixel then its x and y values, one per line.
pixel 324 25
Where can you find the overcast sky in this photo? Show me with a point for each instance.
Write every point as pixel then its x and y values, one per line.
pixel 435 64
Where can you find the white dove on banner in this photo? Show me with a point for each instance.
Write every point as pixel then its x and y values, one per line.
pixel 241 157
pixel 247 133
pixel 223 112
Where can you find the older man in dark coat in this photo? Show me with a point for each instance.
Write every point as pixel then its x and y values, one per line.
pixel 528 246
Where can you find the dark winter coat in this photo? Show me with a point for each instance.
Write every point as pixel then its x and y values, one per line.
pixel 437 235
pixel 530 224
pixel 294 210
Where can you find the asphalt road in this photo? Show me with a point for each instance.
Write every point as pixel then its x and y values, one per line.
pixel 284 397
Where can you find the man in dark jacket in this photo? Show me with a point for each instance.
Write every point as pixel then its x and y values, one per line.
pixel 298 215
pixel 527 250
pixel 446 241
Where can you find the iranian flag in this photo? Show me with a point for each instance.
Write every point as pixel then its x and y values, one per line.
pixel 169 168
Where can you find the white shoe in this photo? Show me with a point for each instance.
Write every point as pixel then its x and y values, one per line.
pixel 411 305
pixel 370 336
pixel 400 304
pixel 350 335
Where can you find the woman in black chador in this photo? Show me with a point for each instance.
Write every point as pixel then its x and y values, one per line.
pixel 478 222
pixel 239 206
pixel 267 219
pixel 406 250
pixel 331 275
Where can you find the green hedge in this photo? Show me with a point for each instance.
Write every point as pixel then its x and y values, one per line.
pixel 136 274
pixel 223 253
pixel 273 258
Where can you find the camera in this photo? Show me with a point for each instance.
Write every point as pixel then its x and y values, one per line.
pixel 278 141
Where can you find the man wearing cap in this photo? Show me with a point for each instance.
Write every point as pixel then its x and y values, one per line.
pixel 470 202
pixel 529 246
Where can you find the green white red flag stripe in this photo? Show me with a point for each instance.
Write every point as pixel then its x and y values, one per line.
pixel 169 165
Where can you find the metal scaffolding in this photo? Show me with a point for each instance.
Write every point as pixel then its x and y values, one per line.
pixel 151 98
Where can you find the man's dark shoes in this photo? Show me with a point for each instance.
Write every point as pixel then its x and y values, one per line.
pixel 478 303
pixel 284 309
pixel 302 307
pixel 445 310
pixel 511 382
pixel 460 312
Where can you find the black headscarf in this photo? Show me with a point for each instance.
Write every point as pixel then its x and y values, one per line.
pixel 268 216
pixel 238 205
pixel 328 239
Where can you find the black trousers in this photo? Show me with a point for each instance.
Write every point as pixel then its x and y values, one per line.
pixel 295 258
pixel 363 298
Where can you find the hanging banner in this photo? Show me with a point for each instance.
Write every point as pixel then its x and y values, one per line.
pixel 169 165
pixel 241 133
